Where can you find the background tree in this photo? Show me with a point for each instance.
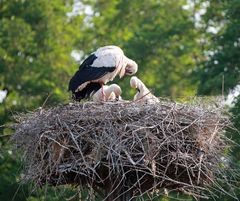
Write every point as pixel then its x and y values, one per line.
pixel 220 72
pixel 182 48
pixel 222 25
pixel 36 39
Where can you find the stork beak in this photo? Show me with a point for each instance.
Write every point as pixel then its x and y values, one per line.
pixel 128 72
pixel 122 72
pixel 112 96
pixel 118 98
pixel 136 87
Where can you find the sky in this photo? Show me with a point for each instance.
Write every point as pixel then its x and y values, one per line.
pixel 233 94
pixel 3 95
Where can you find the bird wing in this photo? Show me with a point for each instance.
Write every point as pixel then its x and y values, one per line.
pixel 108 58
pixel 96 66
pixel 87 92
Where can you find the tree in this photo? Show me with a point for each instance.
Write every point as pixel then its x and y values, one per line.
pixel 220 72
pixel 36 39
pixel 221 67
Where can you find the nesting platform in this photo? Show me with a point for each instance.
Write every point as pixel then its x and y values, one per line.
pixel 123 150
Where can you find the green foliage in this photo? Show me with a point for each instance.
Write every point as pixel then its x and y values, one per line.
pixel 36 40
pixel 176 58
pixel 220 72
pixel 235 135
pixel 222 65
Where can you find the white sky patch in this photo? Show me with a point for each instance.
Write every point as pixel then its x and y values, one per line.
pixel 197 15
pixel 232 95
pixel 3 95
pixel 186 7
pixel 77 55
pixel 189 5
pixel 14 102
pixel 80 9
pixel 213 30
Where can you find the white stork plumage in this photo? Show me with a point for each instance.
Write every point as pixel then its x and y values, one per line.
pixel 99 68
pixel 111 93
pixel 143 95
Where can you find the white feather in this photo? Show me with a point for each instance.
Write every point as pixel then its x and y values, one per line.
pixel 107 59
pixel 109 56
pixel 144 95
pixel 110 93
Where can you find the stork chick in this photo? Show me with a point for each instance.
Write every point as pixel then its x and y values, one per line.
pixel 143 95
pixel 110 93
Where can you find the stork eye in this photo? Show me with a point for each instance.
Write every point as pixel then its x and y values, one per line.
pixel 128 70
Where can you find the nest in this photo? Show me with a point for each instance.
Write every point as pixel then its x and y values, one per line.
pixel 123 150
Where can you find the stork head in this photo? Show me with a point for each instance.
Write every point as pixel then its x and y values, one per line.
pixel 112 96
pixel 116 89
pixel 131 67
pixel 134 82
pixel 113 92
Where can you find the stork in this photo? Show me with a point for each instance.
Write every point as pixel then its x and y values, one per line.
pixel 99 68
pixel 111 93
pixel 143 95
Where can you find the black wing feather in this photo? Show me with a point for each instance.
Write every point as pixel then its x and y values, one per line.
pixel 79 77
pixel 86 92
pixel 88 61
pixel 87 73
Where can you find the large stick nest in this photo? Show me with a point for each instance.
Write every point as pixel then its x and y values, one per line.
pixel 124 147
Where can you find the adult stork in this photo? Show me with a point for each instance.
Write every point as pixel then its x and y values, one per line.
pixel 111 93
pixel 143 95
pixel 99 68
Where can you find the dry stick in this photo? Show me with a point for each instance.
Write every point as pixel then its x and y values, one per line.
pixel 199 170
pixel 110 193
pixel 133 101
pixel 79 149
pixel 61 145
pixel 177 182
pixel 213 134
pixel 194 194
pixel 45 101
pixel 6 135
pixel 223 85
pixel 219 187
pixel 97 121
pixel 137 182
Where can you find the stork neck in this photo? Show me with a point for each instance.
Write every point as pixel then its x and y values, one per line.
pixel 142 87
